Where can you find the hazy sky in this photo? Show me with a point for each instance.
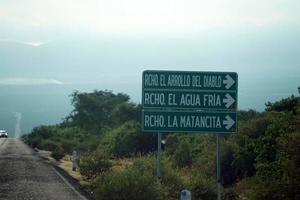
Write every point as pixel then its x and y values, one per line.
pixel 106 44
pixel 35 22
pixel 49 48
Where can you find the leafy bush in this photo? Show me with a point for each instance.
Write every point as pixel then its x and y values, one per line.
pixel 203 187
pixel 128 140
pixel 244 156
pixel 171 180
pixel 57 154
pixel 94 164
pixel 125 112
pixel 290 104
pixel 139 181
pixel 172 141
pixel 260 162
pixel 68 145
pixel 183 154
pixel 244 115
pixel 94 111
pixel 229 171
pixel 38 134
pixel 229 194
pixel 130 183
pixel 49 145
pixel 280 179
pixel 89 144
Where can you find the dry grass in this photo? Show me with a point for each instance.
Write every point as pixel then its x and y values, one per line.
pixel 66 164
pixel 121 164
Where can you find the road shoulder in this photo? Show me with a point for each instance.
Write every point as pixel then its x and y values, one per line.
pixel 70 179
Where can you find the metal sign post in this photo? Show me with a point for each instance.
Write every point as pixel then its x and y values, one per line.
pixel 158 154
pixel 218 167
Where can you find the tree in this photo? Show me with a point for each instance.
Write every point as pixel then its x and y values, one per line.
pixel 128 140
pixel 94 164
pixel 290 104
pixel 98 109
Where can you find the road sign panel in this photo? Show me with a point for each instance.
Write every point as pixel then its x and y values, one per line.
pixel 189 121
pixel 189 102
pixel 154 79
pixel 188 99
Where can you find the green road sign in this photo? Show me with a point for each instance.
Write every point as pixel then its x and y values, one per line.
pixel 186 101
pixel 189 121
pixel 153 79
pixel 153 98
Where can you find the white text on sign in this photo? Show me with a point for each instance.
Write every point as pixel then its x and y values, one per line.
pixel 187 80
pixel 189 99
pixel 188 121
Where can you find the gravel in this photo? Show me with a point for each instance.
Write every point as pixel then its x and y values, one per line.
pixel 26 176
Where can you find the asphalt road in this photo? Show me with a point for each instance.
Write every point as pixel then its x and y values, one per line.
pixel 26 176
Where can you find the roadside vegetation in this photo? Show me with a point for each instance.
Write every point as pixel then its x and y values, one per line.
pixel 261 161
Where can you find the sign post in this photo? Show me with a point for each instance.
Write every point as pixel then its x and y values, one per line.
pixel 158 154
pixel 190 101
pixel 218 167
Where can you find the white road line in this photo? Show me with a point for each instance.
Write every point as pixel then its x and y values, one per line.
pixel 82 197
pixel 2 141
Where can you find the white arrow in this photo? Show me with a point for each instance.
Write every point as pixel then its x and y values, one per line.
pixel 228 81
pixel 228 122
pixel 228 100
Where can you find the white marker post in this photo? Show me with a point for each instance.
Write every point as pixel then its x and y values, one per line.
pixel 74 160
pixel 218 169
pixel 158 154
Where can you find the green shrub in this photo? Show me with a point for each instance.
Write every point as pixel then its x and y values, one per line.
pixel 229 171
pixel 130 183
pixel 229 194
pixel 183 154
pixel 68 145
pixel 89 144
pixel 49 145
pixel 171 180
pixel 139 181
pixel 203 187
pixel 44 132
pixel 57 154
pixel 172 141
pixel 128 140
pixel 33 142
pixel 94 164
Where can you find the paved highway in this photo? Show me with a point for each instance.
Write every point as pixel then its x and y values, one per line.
pixel 26 176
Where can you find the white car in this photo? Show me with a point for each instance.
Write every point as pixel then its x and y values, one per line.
pixel 3 133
